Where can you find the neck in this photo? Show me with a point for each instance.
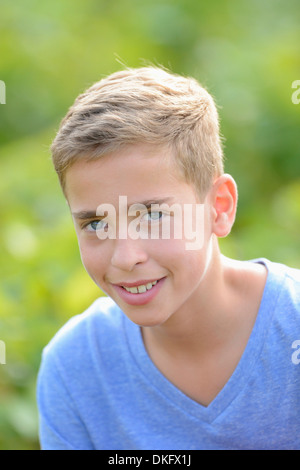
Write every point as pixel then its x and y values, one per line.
pixel 222 311
pixel 205 319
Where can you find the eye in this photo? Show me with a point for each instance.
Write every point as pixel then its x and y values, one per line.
pixel 95 226
pixel 153 216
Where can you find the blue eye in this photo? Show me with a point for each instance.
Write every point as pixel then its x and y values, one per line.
pixel 95 225
pixel 153 216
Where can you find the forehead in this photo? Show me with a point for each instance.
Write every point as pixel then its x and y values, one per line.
pixel 140 172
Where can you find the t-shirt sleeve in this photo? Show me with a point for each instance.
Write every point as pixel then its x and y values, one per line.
pixel 60 426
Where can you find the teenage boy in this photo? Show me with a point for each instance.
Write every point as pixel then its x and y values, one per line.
pixel 190 349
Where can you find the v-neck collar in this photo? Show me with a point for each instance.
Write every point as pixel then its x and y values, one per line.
pixel 238 379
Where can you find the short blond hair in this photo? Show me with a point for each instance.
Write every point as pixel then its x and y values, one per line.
pixel 144 105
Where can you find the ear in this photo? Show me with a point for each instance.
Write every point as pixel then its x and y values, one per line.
pixel 224 204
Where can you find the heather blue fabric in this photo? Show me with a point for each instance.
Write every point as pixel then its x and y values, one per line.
pixel 98 388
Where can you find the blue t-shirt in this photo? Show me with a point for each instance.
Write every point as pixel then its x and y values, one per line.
pixel 98 388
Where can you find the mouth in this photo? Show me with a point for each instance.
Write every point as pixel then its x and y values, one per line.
pixel 139 293
pixel 140 288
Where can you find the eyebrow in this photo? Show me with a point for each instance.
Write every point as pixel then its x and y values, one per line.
pixel 82 215
pixel 90 214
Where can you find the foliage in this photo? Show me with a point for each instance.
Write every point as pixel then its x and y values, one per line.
pixel 245 53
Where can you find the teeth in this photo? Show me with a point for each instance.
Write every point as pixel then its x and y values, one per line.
pixel 133 290
pixel 140 289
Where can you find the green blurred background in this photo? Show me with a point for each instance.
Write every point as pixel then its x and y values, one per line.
pixel 247 53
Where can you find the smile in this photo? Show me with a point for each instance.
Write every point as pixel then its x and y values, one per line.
pixel 139 294
pixel 140 289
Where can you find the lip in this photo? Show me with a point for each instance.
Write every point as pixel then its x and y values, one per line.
pixel 139 299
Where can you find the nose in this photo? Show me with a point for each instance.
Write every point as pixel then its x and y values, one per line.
pixel 128 253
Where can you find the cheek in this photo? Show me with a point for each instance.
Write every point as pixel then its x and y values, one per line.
pixel 190 265
pixel 185 265
pixel 93 259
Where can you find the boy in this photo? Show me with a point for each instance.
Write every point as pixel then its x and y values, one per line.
pixel 190 349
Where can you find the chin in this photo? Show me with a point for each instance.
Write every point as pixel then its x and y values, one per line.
pixel 144 320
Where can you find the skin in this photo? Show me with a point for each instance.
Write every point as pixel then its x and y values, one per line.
pixel 197 326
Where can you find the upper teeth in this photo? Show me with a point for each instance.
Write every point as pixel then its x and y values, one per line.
pixel 140 289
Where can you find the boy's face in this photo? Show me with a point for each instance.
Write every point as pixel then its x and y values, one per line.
pixel 141 174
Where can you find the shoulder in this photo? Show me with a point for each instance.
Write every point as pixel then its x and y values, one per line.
pixel 284 287
pixel 291 286
pixel 87 332
pixel 285 276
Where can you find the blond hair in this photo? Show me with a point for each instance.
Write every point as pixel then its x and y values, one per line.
pixel 144 105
